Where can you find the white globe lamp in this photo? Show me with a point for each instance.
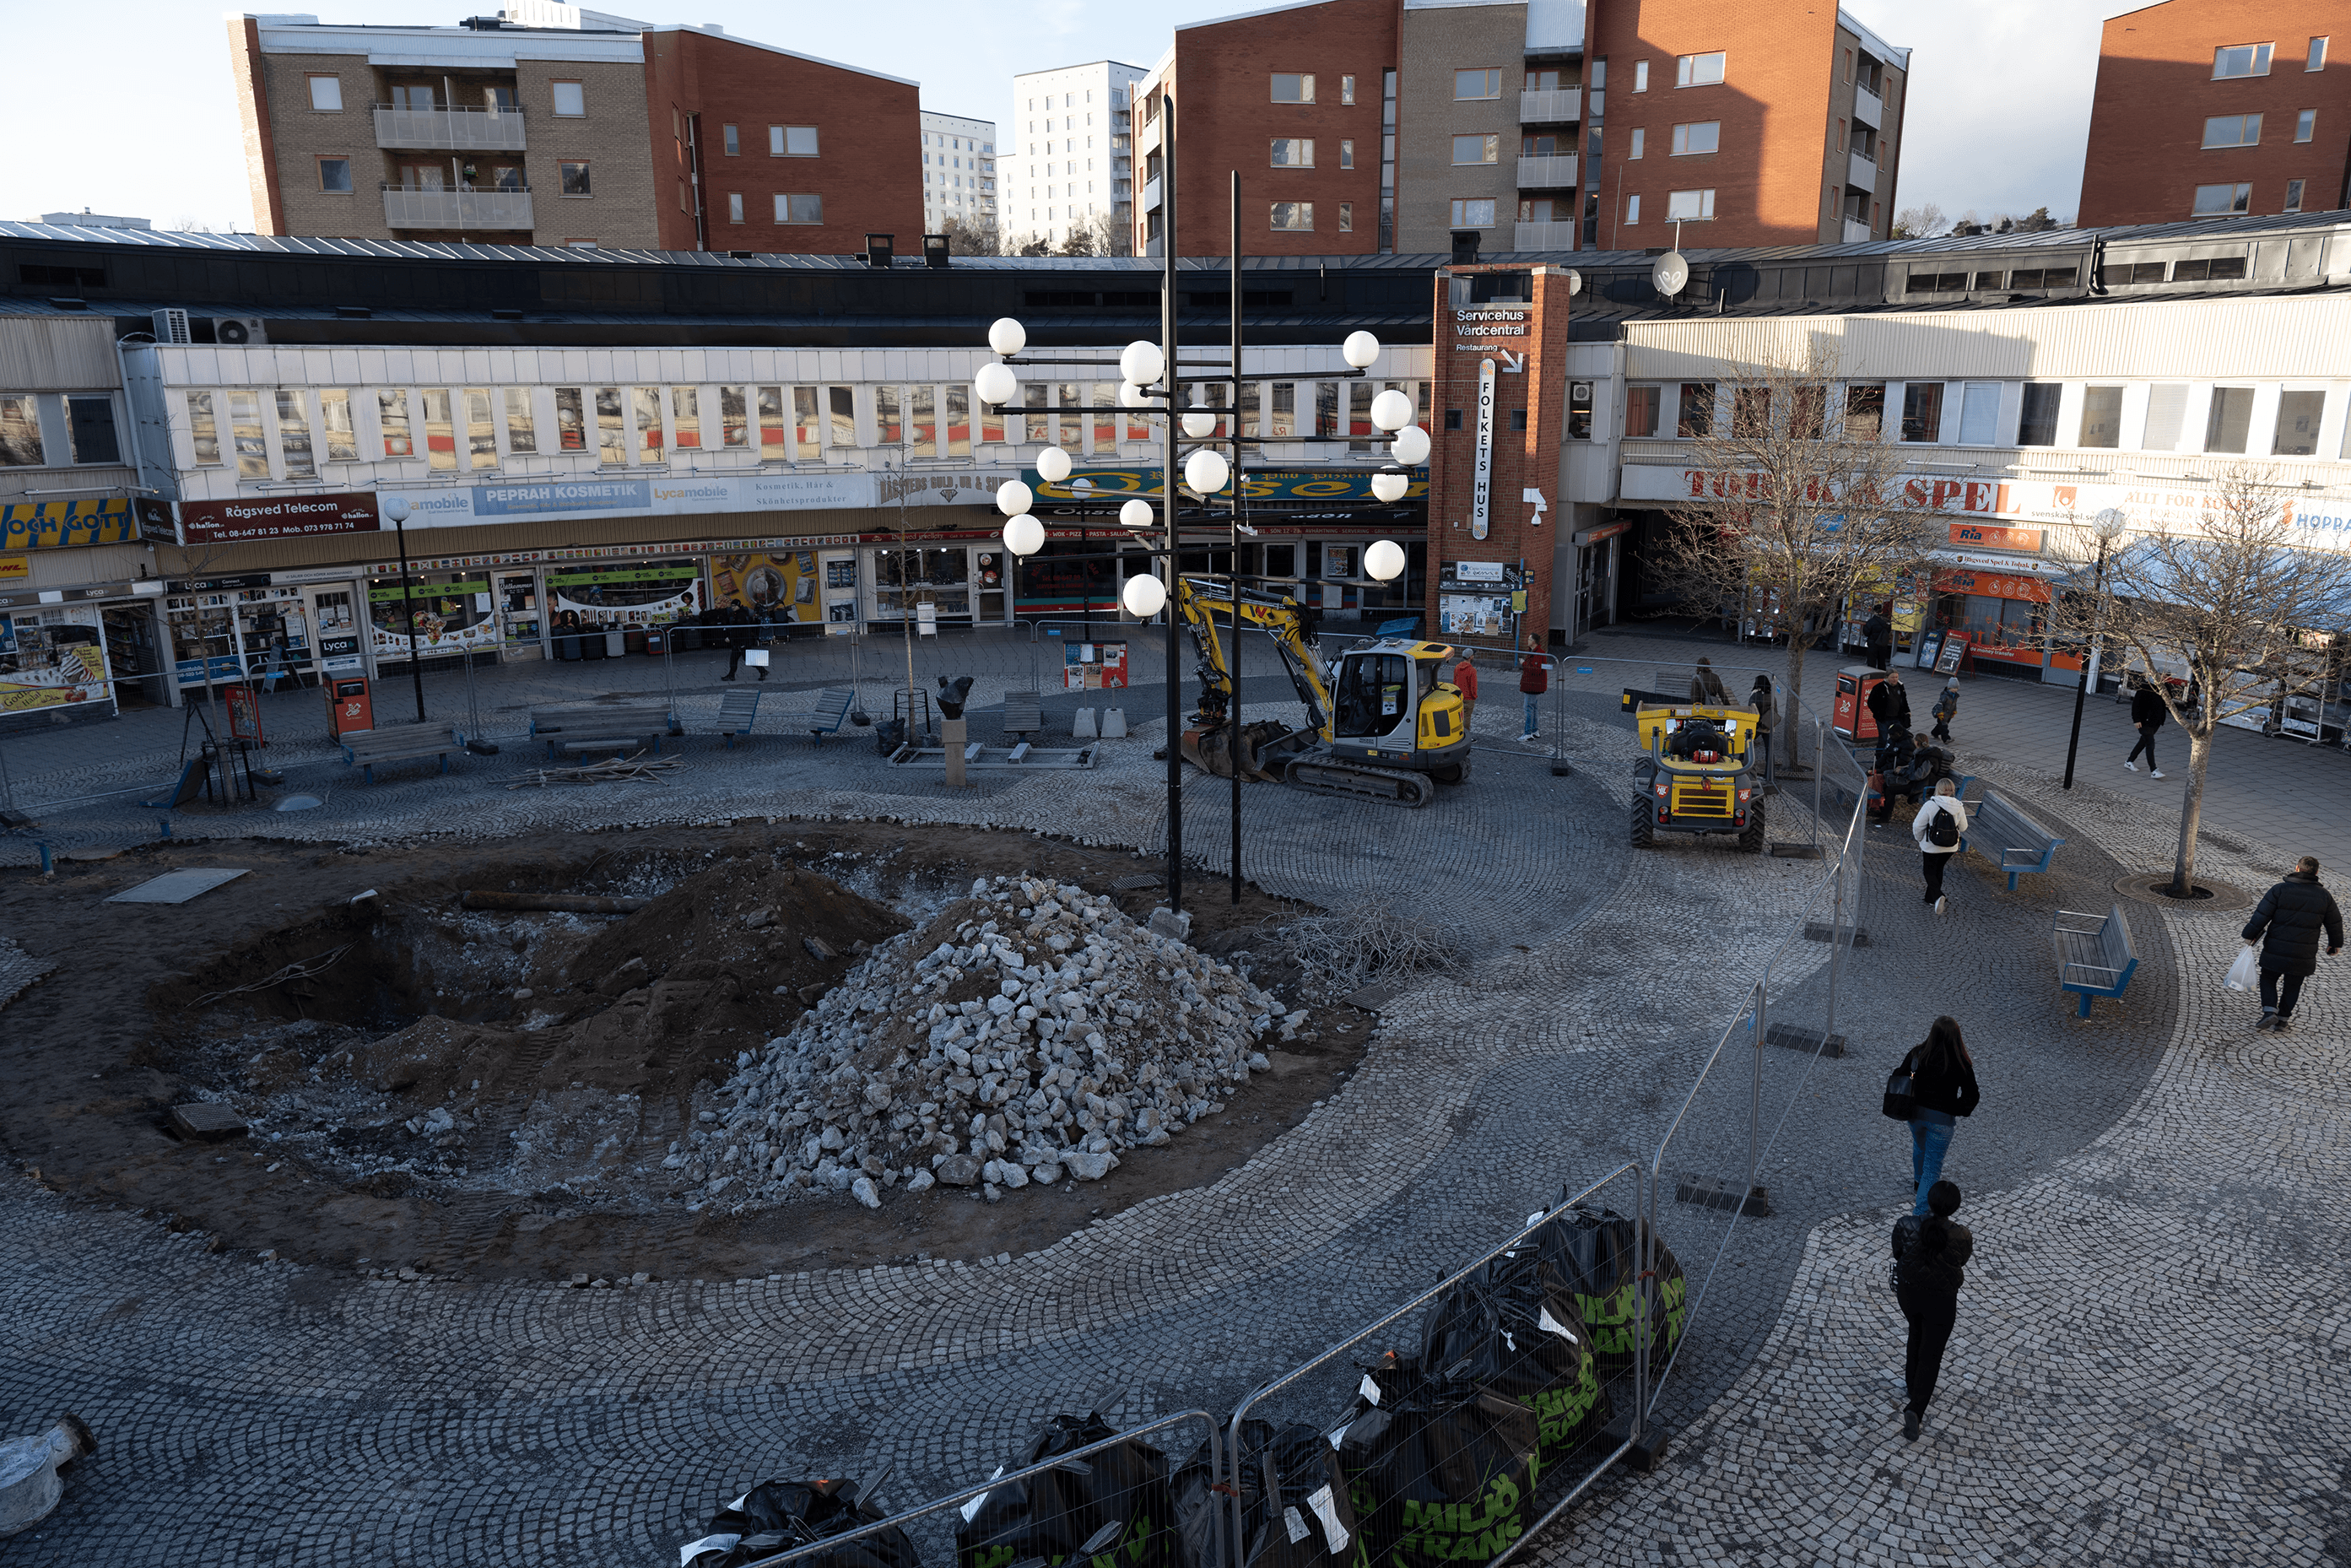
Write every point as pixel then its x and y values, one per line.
pixel 1141 363
pixel 1053 464
pixel 1144 597
pixel 1206 472
pixel 1385 559
pixel 1199 426
pixel 1360 349
pixel 1411 446
pixel 1136 514
pixel 996 385
pixel 1014 499
pixel 1390 487
pixel 1391 409
pixel 1006 336
pixel 1024 535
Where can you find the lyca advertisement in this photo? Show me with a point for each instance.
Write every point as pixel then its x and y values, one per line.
pixel 560 500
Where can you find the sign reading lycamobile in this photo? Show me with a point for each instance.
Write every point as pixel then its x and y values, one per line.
pixel 555 500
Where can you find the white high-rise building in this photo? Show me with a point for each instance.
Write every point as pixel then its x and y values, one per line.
pixel 958 170
pixel 1070 153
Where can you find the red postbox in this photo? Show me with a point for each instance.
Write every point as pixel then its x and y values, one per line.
pixel 348 706
pixel 1852 718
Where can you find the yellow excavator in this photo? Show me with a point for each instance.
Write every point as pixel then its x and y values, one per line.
pixel 1380 724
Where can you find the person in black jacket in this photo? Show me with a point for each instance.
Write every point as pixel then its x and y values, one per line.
pixel 2149 712
pixel 1889 704
pixel 1930 1256
pixel 1944 1089
pixel 1878 632
pixel 2287 924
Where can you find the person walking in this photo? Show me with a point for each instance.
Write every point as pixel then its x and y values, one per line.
pixel 1937 828
pixel 1946 708
pixel 1534 680
pixel 1889 704
pixel 1464 681
pixel 1707 687
pixel 1767 717
pixel 1942 1089
pixel 2148 712
pixel 1930 1258
pixel 2287 923
pixel 1878 632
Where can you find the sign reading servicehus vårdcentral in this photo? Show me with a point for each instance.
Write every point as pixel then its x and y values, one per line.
pixel 277 517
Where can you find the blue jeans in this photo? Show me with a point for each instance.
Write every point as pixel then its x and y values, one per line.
pixel 1931 1136
pixel 1533 728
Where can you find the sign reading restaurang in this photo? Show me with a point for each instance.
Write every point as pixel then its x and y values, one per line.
pixel 277 517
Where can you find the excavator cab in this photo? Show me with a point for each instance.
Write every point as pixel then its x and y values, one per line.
pixel 1392 709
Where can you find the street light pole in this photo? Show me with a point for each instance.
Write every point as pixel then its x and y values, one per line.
pixel 396 508
pixel 2109 525
pixel 1233 743
pixel 1167 505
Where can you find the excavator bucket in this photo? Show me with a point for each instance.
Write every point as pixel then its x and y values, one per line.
pixel 1209 749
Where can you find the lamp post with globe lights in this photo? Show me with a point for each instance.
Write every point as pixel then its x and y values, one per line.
pixel 396 508
pixel 2108 526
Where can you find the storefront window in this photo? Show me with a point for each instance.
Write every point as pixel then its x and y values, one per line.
pixel 1052 585
pixel 774 587
pixel 452 615
pixel 611 598
pixel 51 659
pixel 906 579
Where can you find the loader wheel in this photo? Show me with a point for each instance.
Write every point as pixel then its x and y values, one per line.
pixel 1645 831
pixel 1752 838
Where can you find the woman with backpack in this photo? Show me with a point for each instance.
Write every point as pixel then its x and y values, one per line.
pixel 1942 1089
pixel 1930 1256
pixel 1937 827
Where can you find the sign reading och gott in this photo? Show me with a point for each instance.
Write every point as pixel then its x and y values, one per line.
pixel 277 517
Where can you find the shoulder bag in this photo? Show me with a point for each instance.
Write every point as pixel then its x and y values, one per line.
pixel 1901 1091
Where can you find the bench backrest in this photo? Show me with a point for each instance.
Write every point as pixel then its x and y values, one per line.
pixel 362 743
pixel 604 718
pixel 2114 940
pixel 738 707
pixel 1996 819
pixel 1023 714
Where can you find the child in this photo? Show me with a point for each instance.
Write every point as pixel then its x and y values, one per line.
pixel 1947 708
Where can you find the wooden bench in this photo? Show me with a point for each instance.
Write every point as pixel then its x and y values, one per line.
pixel 829 711
pixel 604 728
pixel 2006 836
pixel 364 748
pixel 1023 715
pixel 736 711
pixel 2095 955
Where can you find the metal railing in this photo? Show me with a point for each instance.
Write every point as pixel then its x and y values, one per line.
pixel 1544 236
pixel 1558 105
pixel 453 129
pixel 407 207
pixel 1540 173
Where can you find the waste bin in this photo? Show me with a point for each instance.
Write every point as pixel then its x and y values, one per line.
pixel 656 641
pixel 350 707
pixel 1852 719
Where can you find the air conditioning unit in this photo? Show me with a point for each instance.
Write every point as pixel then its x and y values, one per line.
pixel 171 325
pixel 235 329
pixel 174 325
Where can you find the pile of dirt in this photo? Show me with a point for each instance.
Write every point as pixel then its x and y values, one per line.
pixel 1027 1032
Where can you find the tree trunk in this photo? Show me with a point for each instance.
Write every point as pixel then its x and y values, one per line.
pixel 1793 704
pixel 2191 810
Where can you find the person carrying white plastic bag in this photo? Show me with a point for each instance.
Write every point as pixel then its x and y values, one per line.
pixel 2246 972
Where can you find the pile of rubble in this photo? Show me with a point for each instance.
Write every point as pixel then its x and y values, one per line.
pixel 1028 1033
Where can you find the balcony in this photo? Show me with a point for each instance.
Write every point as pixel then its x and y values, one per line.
pixel 404 208
pixel 1868 108
pixel 1150 195
pixel 453 129
pixel 1857 232
pixel 1861 172
pixel 1544 236
pixel 1560 106
pixel 1556 172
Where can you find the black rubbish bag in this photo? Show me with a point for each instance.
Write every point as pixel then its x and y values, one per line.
pixel 1113 1509
pixel 1312 1521
pixel 777 1516
pixel 1440 1476
pixel 1595 1251
pixel 1513 1327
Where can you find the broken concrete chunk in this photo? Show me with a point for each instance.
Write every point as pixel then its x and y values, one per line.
pixel 819 949
pixel 206 1123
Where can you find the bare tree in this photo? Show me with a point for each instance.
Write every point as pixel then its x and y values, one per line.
pixel 1923 221
pixel 1799 506
pixel 1094 234
pixel 966 237
pixel 2231 602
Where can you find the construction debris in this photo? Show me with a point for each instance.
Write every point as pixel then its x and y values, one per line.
pixel 560 903
pixel 30 1487
pixel 642 767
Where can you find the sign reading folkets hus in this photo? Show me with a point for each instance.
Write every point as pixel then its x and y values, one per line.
pixel 277 517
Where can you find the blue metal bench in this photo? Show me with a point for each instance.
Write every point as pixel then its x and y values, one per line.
pixel 737 711
pixel 367 749
pixel 603 726
pixel 2006 836
pixel 829 711
pixel 2096 958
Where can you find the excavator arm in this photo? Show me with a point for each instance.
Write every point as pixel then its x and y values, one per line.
pixel 1207 606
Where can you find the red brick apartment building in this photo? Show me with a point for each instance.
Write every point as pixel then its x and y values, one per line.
pixel 601 132
pixel 2209 108
pixel 1386 126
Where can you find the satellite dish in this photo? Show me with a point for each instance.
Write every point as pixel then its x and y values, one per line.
pixel 1575 282
pixel 1670 273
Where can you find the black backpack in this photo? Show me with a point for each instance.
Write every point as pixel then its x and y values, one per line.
pixel 1943 833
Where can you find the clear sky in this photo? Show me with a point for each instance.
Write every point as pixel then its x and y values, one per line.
pixel 128 109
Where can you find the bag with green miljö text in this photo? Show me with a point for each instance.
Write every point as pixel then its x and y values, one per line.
pixel 1513 1327
pixel 1597 1251
pixel 1441 1475
pixel 777 1516
pixel 1111 1510
pixel 1295 1510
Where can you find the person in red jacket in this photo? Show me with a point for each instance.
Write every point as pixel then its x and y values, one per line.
pixel 1464 677
pixel 1534 679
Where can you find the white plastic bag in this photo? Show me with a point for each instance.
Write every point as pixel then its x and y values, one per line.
pixel 2246 972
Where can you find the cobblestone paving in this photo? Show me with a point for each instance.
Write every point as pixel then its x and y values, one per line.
pixel 259 1413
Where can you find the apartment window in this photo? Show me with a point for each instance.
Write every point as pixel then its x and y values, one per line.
pixel 1346 218
pixel 1922 411
pixel 1639 144
pixel 2037 424
pixel 570 421
pixel 481 429
pixel 1477 149
pixel 570 99
pixel 2316 59
pixel 1704 136
pixel 2293 195
pixel 774 439
pixel 2241 60
pixel 2166 414
pixel 1689 206
pixel 923 420
pixel 1698 70
pixel 1979 413
pixel 335 176
pixel 2218 200
pixel 889 430
pixel 326 94
pixel 1291 88
pixel 440 418
pixel 575 179
pixel 791 142
pixel 2233 130
pixel 612 428
pixel 1452 419
pixel 1640 76
pixel 521 435
pixel 1473 215
pixel 2102 417
pixel 840 417
pixel 391 419
pixel 2297 423
pixel 650 439
pixel 1486 82
pixel 803 209
pixel 958 421
pixel 204 430
pixel 685 413
pixel 1346 154
pixel 1641 411
pixel 2230 421
pixel 1347 89
pixel 576 242
pixel 294 434
pixel 2304 124
pixel 1865 410
pixel 1293 152
pixel 734 206
pixel 1632 209
pixel 1695 418
pixel 1294 215
pixel 89 429
pixel 20 431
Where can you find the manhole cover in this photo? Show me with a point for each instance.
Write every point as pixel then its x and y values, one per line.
pixel 2212 897
pixel 175 886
